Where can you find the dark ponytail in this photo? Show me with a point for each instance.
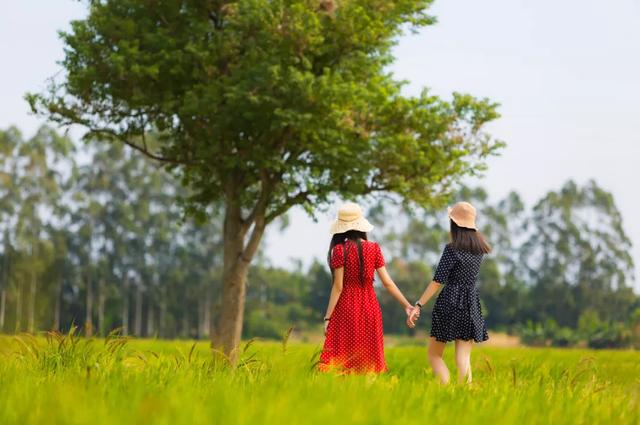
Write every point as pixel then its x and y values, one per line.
pixel 341 239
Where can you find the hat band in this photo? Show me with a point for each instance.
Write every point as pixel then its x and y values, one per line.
pixel 348 221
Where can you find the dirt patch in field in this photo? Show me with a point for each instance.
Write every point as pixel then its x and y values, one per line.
pixel 498 339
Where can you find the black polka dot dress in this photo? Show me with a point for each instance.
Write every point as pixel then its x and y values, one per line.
pixel 457 313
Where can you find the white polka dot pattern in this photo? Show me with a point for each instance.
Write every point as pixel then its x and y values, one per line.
pixel 354 341
pixel 457 313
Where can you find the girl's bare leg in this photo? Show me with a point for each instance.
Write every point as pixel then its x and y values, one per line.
pixel 436 350
pixel 463 360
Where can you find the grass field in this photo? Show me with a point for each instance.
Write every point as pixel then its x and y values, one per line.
pixel 78 381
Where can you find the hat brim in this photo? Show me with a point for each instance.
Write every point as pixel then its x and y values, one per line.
pixel 361 225
pixel 467 224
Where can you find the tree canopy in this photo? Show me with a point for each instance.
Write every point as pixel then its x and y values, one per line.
pixel 288 99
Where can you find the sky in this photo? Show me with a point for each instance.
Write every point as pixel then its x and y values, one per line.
pixel 566 74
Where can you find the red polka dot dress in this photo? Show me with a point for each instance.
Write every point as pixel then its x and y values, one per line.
pixel 354 341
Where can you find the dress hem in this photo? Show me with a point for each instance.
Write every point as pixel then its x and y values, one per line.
pixel 462 339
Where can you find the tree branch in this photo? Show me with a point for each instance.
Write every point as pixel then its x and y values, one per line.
pixel 299 198
pixel 141 149
pixel 261 205
pixel 254 240
pixel 257 217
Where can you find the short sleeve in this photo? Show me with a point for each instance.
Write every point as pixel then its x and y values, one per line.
pixel 337 256
pixel 446 263
pixel 378 258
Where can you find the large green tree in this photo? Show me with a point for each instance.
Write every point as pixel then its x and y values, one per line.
pixel 260 105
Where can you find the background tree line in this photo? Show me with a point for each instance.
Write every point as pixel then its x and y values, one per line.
pixel 92 235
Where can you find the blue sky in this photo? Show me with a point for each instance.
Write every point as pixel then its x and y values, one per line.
pixel 567 74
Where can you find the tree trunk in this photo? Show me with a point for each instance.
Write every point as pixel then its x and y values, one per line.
pixel 5 284
pixel 125 305
pixel 200 318
pixel 18 309
pixel 236 260
pixel 32 304
pixel 58 307
pixel 88 323
pixel 163 315
pixel 206 320
pixel 185 318
pixel 101 301
pixel 3 304
pixel 232 310
pixel 150 329
pixel 138 314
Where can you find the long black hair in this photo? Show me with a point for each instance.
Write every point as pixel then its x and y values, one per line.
pixel 341 239
pixel 469 240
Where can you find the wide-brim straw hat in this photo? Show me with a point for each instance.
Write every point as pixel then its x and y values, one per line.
pixel 463 214
pixel 350 217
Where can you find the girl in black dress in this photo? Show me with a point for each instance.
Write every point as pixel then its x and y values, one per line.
pixel 456 313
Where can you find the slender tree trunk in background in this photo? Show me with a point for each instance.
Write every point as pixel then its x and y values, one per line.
pixel 88 323
pixel 138 313
pixel 101 301
pixel 200 318
pixel 57 307
pixel 18 309
pixel 125 305
pixel 163 315
pixel 185 318
pixel 236 261
pixel 5 285
pixel 150 329
pixel 32 304
pixel 206 320
pixel 162 322
pixel 3 304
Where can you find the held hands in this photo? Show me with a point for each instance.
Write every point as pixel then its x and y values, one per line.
pixel 409 310
pixel 413 314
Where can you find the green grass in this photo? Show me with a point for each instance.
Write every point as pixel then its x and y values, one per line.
pixel 69 381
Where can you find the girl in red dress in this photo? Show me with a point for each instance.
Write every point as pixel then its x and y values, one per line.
pixel 353 323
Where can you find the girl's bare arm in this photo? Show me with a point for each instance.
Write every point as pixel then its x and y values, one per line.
pixel 336 290
pixel 391 286
pixel 429 292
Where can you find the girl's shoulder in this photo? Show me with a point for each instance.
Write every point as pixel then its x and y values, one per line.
pixel 370 248
pixel 449 251
pixel 371 244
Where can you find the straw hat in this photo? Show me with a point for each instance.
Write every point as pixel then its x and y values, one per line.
pixel 350 217
pixel 463 214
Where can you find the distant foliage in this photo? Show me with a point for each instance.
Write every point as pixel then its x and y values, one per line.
pixel 92 237
pixel 96 240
